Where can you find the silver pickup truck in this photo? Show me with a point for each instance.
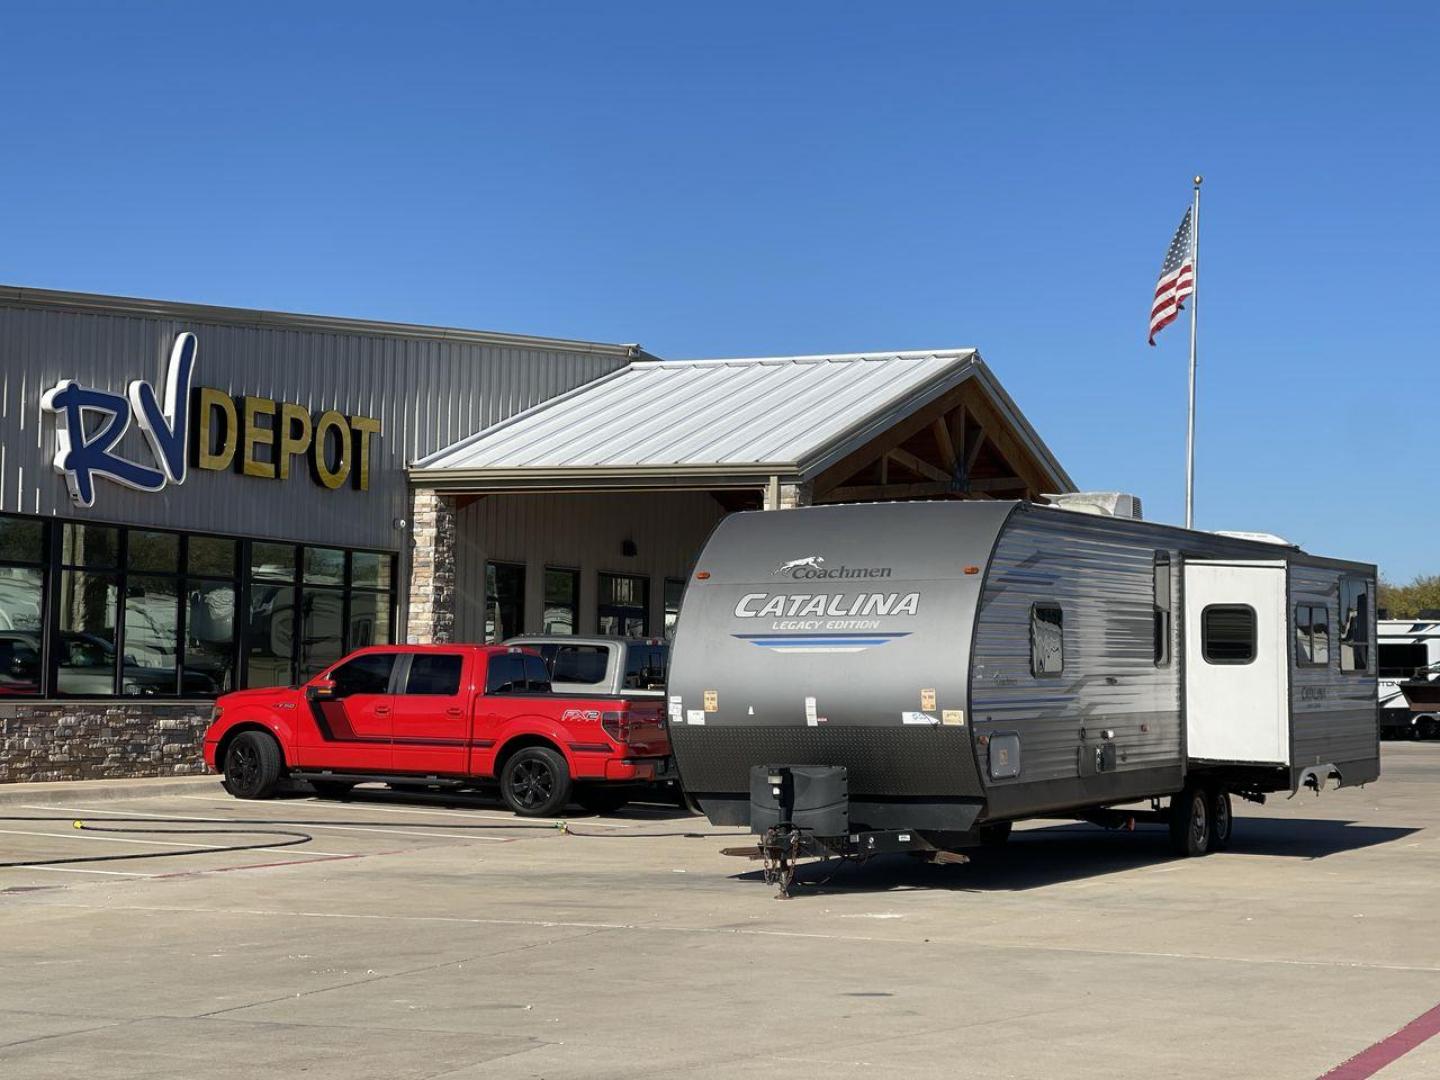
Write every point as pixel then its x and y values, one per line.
pixel 624 667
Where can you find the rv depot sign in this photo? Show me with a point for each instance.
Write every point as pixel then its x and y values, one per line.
pixel 204 427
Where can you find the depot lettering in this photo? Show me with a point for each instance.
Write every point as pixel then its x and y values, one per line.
pixel 262 437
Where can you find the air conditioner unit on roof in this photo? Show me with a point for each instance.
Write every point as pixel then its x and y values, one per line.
pixel 1103 503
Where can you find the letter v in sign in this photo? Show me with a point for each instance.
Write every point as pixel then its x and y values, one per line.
pixel 168 430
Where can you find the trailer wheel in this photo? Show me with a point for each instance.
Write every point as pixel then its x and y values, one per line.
pixel 1190 822
pixel 252 766
pixel 1222 824
pixel 536 782
pixel 1427 729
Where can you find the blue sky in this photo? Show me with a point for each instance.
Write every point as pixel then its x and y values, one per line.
pixel 765 179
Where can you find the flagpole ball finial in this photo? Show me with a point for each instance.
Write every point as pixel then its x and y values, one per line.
pixel 1199 179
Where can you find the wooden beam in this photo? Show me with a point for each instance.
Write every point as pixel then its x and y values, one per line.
pixel 972 452
pixel 947 448
pixel 881 492
pixel 1001 438
pixel 919 465
pixel 997 483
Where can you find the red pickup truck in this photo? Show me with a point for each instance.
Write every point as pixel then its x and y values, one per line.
pixel 441 715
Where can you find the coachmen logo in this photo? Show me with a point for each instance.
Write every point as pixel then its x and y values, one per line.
pixel 811 567
pixel 204 427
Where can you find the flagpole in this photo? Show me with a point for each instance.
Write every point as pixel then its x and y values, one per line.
pixel 1194 311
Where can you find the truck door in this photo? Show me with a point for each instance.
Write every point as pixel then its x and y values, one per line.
pixel 352 729
pixel 432 715
pixel 1237 667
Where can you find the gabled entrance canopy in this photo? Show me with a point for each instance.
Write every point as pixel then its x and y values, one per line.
pixel 858 427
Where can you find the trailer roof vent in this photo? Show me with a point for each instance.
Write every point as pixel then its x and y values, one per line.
pixel 1103 503
pixel 1258 537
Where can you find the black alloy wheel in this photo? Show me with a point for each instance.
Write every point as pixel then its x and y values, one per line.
pixel 252 766
pixel 536 782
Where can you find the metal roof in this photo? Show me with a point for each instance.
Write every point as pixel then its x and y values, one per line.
pixel 714 422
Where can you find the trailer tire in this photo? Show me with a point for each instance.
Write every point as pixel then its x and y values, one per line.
pixel 535 782
pixel 1191 826
pixel 252 766
pixel 1427 729
pixel 1222 820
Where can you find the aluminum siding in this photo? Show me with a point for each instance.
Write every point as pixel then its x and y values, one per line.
pixel 1102 578
pixel 427 390
pixel 1333 714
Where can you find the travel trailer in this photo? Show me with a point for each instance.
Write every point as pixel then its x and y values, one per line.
pixel 1409 659
pixel 918 675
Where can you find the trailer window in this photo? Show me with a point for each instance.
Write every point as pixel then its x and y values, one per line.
pixel 1354 624
pixel 1162 608
pixel 1047 640
pixel 1312 635
pixel 1227 634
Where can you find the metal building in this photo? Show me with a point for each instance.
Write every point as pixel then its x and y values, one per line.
pixel 195 499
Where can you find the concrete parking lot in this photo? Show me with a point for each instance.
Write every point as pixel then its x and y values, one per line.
pixel 414 938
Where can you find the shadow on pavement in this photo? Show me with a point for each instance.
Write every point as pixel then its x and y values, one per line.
pixel 1036 858
pixel 645 807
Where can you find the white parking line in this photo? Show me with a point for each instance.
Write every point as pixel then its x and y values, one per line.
pixel 278 821
pixel 521 822
pixel 78 870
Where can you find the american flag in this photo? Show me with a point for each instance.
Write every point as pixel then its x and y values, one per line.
pixel 1177 279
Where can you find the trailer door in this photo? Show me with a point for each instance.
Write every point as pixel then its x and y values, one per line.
pixel 1236 666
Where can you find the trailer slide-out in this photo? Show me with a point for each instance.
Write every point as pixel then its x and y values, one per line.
pixel 917 676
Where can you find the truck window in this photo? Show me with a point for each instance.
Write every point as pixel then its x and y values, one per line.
pixel 506 674
pixel 368 674
pixel 1227 634
pixel 645 666
pixel 580 664
pixel 434 674
pixel 537 675
pixel 1047 640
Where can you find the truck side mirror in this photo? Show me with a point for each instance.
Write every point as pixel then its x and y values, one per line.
pixel 321 690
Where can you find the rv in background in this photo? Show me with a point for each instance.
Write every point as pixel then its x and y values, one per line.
pixel 916 676
pixel 1409 658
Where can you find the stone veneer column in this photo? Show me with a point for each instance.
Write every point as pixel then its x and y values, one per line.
pixel 789 496
pixel 431 610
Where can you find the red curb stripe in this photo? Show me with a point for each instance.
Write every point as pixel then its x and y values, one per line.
pixel 1368 1062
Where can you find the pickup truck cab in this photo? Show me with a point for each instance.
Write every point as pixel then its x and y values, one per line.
pixel 440 715
pixel 613 666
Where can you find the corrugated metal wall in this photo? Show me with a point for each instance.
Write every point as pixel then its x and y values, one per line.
pixel 1332 713
pixel 583 532
pixel 428 390
pixel 1103 581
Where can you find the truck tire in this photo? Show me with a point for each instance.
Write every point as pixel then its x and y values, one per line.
pixel 1222 821
pixel 599 799
pixel 535 782
pixel 331 789
pixel 252 766
pixel 1191 826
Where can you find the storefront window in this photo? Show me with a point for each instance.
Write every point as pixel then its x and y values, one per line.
pixel 149 613
pixel 562 601
pixel 22 606
pixel 624 607
pixel 85 655
pixel 504 600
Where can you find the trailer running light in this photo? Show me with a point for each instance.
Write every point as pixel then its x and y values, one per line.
pixel 702 575
pixel 972 569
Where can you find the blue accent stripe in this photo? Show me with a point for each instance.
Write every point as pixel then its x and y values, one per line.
pixel 781 642
pixel 821 637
